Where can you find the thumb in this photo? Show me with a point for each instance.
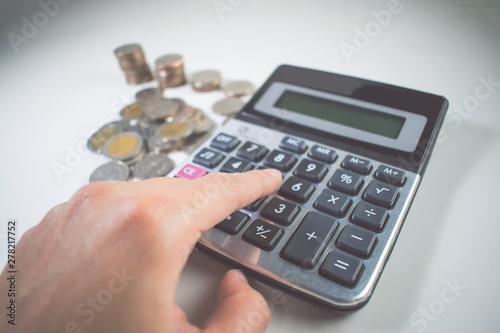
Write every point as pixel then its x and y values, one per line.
pixel 240 308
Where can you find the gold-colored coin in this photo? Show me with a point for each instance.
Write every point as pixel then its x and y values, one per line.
pixel 100 138
pixel 122 145
pixel 174 129
pixel 131 111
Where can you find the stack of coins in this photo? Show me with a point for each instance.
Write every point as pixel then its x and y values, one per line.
pixel 133 63
pixel 206 81
pixel 170 71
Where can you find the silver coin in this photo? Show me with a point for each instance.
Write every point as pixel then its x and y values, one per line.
pixel 152 166
pixel 97 140
pixel 161 109
pixel 238 89
pixel 228 106
pixel 114 170
pixel 206 80
pixel 203 126
pixel 126 146
pixel 145 131
pixel 148 94
pixel 158 145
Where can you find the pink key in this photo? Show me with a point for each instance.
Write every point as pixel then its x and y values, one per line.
pixel 190 171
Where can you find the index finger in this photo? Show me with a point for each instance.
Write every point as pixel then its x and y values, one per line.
pixel 208 200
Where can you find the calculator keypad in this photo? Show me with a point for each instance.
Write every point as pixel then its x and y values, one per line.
pixel 331 217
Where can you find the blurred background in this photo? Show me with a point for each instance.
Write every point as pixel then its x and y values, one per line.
pixel 59 81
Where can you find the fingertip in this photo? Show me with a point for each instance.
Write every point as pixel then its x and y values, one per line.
pixel 273 172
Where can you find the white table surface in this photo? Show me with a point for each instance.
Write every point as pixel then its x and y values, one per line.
pixel 65 81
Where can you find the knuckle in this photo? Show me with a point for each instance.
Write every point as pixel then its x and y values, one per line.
pixel 90 192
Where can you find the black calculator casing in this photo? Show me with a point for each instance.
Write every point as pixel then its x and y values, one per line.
pixel 307 282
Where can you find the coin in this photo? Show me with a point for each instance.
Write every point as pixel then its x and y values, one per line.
pixel 127 147
pixel 114 170
pixel 148 94
pixel 152 166
pixel 175 130
pixel 238 89
pixel 203 126
pixel 159 145
pixel 206 80
pixel 133 63
pixel 228 106
pixel 132 111
pixel 99 138
pixel 161 109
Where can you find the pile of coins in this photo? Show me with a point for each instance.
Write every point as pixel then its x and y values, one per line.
pixel 150 128
pixel 170 71
pixel 133 63
pixel 154 126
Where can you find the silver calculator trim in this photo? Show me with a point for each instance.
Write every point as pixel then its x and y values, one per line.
pixel 271 265
pixel 406 141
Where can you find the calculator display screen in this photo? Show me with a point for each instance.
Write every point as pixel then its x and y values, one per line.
pixel 376 122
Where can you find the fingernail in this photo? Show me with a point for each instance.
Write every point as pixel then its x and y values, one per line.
pixel 273 172
pixel 242 275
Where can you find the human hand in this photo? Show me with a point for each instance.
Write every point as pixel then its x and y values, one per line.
pixel 109 259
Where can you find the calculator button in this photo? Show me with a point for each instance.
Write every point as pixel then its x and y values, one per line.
pixel 280 160
pixel 369 216
pixel 341 268
pixel 296 189
pixel 190 171
pixel 390 175
pixel 280 211
pixel 311 170
pixel 255 205
pixel 252 151
pixel 262 234
pixel 356 164
pixel 224 142
pixel 333 203
pixel 356 240
pixel 233 223
pixel 346 182
pixel 208 157
pixel 322 154
pixel 309 240
pixel 381 194
pixel 293 144
pixel 235 165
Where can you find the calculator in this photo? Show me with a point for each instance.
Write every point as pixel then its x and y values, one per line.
pixel 352 153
